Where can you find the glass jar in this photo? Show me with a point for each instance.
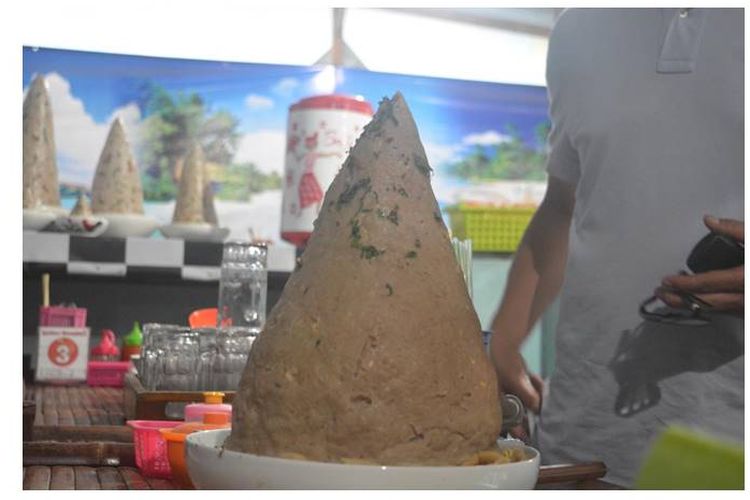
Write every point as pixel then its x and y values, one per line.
pixel 243 286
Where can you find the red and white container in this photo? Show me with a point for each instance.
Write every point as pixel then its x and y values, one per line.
pixel 320 131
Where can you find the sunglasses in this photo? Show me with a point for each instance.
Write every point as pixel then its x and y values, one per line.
pixel 652 309
pixel 712 252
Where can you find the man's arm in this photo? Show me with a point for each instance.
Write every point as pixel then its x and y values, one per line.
pixel 534 280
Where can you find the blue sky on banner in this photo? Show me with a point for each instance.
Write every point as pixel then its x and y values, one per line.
pixel 89 89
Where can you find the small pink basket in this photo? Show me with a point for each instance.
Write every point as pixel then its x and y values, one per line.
pixel 62 316
pixel 107 373
pixel 151 448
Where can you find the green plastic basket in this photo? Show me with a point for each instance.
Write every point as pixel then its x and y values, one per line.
pixel 490 229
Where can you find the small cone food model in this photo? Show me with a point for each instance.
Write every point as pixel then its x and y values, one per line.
pixel 82 207
pixel 373 352
pixel 117 182
pixel 209 209
pixel 40 184
pixel 195 201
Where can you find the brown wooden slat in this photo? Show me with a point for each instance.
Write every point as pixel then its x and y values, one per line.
pixel 133 479
pixel 81 416
pixel 63 478
pixel 98 416
pixel 117 418
pixel 61 398
pixel 78 453
pixel 65 416
pixel 86 399
pixel 110 479
pixel 160 484
pixel 570 472
pixel 36 478
pixel 39 398
pixel 76 404
pixel 50 416
pixel 115 433
pixel 86 478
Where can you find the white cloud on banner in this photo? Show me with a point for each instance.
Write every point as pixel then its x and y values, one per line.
pixel 264 148
pixel 488 138
pixel 79 139
pixel 286 86
pixel 438 154
pixel 255 101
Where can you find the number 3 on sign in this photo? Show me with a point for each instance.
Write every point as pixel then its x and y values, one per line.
pixel 62 352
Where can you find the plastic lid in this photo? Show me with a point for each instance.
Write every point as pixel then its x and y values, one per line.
pixel 210 421
pixel 345 102
pixel 213 398
pixel 135 337
pixel 107 345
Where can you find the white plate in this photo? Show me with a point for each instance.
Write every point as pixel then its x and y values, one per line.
pixel 211 468
pixel 78 225
pixel 128 225
pixel 35 219
pixel 195 232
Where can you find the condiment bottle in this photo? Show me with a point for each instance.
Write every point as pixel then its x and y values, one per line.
pixel 175 438
pixel 107 349
pixel 132 342
pixel 213 402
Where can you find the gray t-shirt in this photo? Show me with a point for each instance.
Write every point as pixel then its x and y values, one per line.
pixel 647 123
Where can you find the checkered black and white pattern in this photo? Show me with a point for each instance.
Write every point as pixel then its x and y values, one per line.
pixel 126 257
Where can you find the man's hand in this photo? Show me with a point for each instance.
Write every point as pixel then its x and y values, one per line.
pixel 513 378
pixel 722 290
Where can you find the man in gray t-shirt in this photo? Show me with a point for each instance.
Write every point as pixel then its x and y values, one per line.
pixel 647 138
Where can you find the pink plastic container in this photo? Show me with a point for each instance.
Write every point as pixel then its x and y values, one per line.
pixel 151 447
pixel 62 316
pixel 107 373
pixel 213 402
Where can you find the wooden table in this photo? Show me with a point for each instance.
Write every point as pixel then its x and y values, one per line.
pixel 64 477
pixel 79 441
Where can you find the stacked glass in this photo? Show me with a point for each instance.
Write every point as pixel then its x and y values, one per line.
pixel 176 358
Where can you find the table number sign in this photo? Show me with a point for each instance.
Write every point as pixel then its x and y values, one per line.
pixel 63 353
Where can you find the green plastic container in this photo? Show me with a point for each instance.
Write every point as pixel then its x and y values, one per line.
pixel 682 459
pixel 490 229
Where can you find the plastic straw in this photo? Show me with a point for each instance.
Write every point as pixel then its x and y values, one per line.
pixel 462 251
pixel 45 289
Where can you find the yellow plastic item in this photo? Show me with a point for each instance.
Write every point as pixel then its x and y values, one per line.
pixel 175 438
pixel 490 229
pixel 213 398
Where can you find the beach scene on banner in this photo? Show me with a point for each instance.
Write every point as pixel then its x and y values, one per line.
pixel 485 141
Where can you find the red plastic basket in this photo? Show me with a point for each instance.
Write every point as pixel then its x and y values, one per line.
pixel 107 373
pixel 150 447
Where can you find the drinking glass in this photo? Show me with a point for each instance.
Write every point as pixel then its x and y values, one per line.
pixel 180 361
pixel 155 344
pixel 206 358
pixel 233 346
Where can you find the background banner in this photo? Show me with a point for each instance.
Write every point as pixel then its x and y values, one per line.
pixel 485 141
